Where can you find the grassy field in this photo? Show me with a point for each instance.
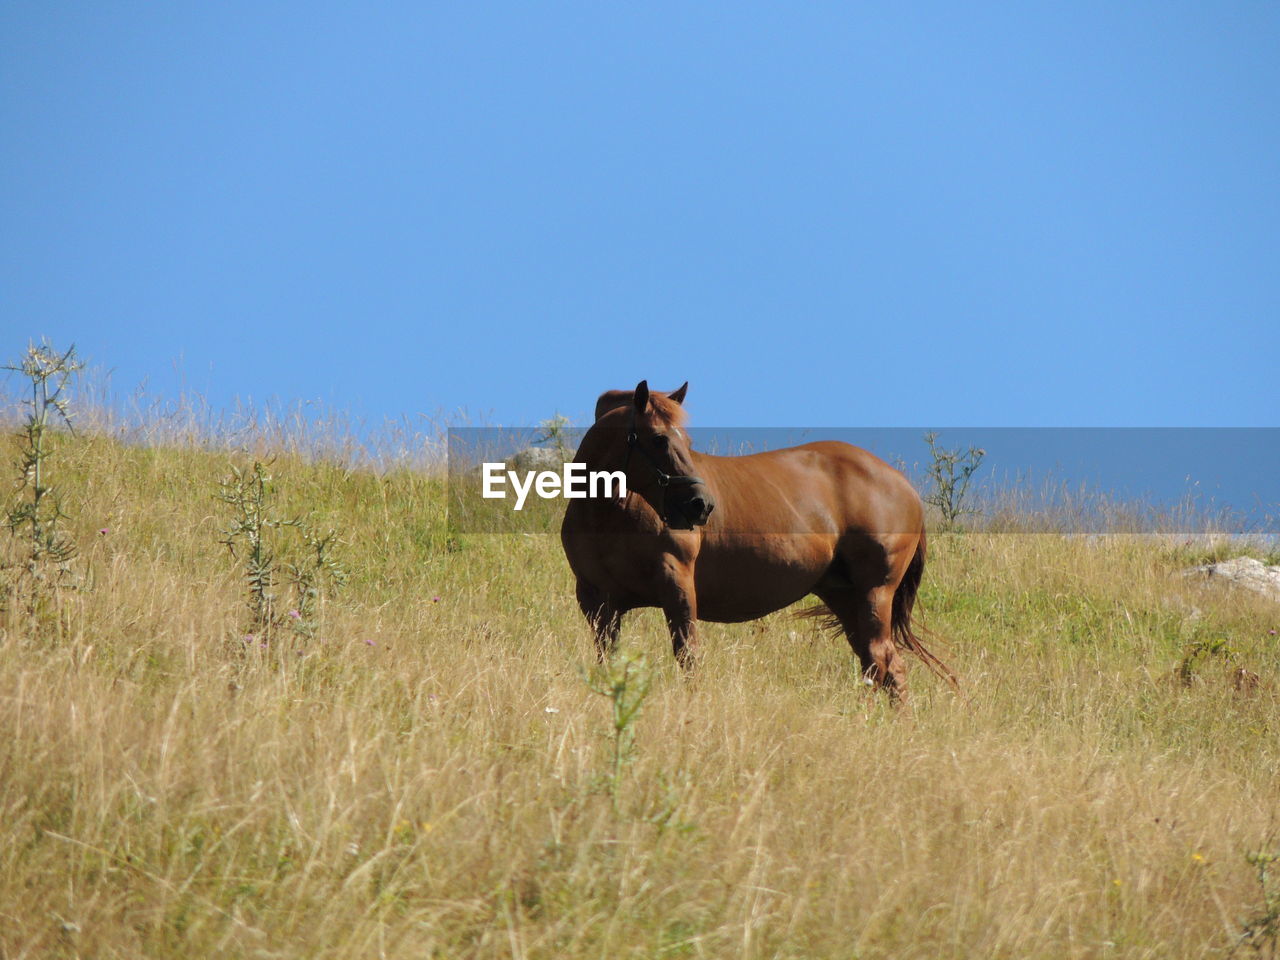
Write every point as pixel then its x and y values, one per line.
pixel 430 774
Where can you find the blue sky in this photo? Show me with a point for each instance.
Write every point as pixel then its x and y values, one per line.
pixel 819 214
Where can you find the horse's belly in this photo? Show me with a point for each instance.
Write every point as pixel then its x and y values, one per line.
pixel 747 582
pixel 736 609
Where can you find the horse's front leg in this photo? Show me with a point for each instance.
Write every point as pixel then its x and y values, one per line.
pixel 680 605
pixel 603 615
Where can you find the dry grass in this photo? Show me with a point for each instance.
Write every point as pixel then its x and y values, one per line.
pixel 429 778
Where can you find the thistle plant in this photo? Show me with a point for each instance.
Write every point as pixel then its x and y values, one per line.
pixel 951 472
pixel 35 521
pixel 625 681
pixel 308 575
pixel 1261 932
pixel 250 539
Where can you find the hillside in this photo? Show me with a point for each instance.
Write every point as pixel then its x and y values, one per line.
pixel 420 767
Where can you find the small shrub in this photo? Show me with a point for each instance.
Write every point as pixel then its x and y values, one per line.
pixel 1202 651
pixel 555 436
pixel 950 472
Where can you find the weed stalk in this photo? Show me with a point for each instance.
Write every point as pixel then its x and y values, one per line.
pixel 36 518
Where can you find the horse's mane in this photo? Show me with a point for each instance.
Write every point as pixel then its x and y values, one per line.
pixel 666 411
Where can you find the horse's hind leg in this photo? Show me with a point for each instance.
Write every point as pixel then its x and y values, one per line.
pixel 888 668
pixel 867 622
pixel 843 605
pixel 604 616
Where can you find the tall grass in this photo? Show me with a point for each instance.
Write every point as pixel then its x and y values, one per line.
pixel 423 776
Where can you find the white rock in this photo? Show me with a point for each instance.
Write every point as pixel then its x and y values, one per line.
pixel 1242 572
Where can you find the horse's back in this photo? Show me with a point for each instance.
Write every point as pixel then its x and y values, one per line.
pixel 826 486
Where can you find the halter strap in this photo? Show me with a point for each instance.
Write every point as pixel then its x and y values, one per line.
pixel 662 478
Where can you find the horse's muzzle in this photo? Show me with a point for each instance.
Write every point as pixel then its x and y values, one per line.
pixel 693 512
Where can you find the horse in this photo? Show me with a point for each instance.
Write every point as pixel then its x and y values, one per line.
pixel 731 539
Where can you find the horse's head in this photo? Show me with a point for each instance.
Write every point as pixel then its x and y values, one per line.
pixel 657 456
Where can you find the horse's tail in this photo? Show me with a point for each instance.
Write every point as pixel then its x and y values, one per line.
pixel 904 601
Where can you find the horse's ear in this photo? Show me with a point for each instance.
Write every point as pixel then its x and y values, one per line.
pixel 678 394
pixel 642 396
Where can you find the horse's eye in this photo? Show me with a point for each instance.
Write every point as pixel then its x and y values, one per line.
pixel 661 441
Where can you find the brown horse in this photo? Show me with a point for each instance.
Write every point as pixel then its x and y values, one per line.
pixel 728 539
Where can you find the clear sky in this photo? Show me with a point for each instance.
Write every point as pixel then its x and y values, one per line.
pixel 818 213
